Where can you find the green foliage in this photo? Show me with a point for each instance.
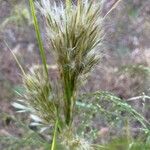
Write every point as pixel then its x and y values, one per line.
pixel 123 143
pixel 114 112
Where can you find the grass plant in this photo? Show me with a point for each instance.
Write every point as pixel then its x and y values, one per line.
pixel 74 33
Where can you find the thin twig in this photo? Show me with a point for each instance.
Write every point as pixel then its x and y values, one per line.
pixel 138 97
pixel 112 8
pixel 21 68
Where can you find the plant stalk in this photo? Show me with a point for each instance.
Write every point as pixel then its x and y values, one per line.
pixel 38 35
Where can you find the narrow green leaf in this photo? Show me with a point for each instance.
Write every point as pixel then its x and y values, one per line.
pixel 38 35
pixel 53 146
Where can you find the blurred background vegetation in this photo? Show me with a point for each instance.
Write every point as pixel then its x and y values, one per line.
pixel 125 63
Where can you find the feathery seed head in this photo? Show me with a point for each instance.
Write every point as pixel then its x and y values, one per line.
pixel 38 95
pixel 74 33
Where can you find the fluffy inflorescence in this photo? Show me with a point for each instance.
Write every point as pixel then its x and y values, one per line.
pixel 74 32
pixel 37 97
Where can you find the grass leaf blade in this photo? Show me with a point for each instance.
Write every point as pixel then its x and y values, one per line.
pixel 53 146
pixel 38 35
